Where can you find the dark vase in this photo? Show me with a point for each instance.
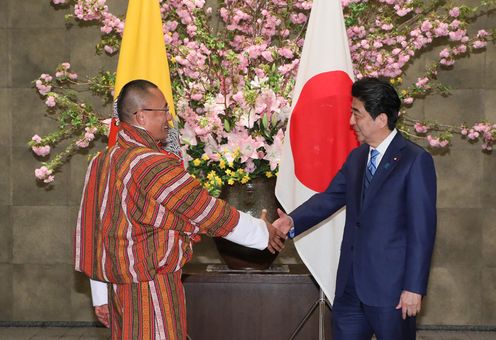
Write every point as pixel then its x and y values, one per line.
pixel 251 198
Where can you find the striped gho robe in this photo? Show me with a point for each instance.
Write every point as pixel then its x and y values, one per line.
pixel 139 214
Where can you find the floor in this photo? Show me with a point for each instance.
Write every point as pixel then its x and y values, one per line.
pixel 14 333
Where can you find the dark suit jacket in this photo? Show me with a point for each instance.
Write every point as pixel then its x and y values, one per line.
pixel 390 230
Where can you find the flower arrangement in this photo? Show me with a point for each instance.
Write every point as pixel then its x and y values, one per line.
pixel 233 69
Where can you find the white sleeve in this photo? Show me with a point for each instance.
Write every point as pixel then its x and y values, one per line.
pixel 249 232
pixel 98 293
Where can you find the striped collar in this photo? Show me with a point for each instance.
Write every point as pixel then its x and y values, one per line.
pixel 131 136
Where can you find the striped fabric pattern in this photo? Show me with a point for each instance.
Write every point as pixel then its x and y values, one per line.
pixel 139 214
pixel 149 310
pixel 141 211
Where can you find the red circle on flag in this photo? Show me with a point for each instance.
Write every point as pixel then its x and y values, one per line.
pixel 320 133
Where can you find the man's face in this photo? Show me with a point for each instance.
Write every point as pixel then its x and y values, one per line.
pixel 156 122
pixel 367 129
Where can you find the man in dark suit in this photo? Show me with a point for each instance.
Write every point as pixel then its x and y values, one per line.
pixel 388 185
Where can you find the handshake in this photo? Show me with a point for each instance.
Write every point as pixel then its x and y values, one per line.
pixel 278 230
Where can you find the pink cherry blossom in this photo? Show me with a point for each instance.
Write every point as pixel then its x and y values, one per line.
pixel 421 128
pixel 42 173
pixel 402 11
pixel 426 26
pixel 36 139
pixel 479 44
pixel 50 102
pixel 422 82
pixel 482 34
pixel 49 179
pixel 454 12
pixel 444 53
pixel 286 53
pixel 43 89
pixel 82 143
pixel 108 49
pixel 446 62
pixel 46 77
pixel 472 134
pixel 250 165
pixel 41 151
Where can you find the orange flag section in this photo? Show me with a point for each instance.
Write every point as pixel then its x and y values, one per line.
pixel 143 54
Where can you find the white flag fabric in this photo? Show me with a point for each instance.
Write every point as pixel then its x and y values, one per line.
pixel 319 136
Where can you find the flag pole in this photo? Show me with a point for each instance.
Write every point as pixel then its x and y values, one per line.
pixel 321 304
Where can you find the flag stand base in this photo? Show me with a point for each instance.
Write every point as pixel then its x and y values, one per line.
pixel 320 303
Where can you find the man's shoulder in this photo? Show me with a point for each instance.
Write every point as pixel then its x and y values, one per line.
pixel 359 150
pixel 154 155
pixel 414 147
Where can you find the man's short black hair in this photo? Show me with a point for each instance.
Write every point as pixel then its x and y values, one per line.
pixel 132 97
pixel 378 96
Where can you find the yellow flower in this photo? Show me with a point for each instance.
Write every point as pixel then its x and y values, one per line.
pixel 205 157
pixel 196 162
pixel 399 80
pixel 229 172
pixel 404 92
pixel 218 180
pixel 194 176
pixel 245 179
pixel 240 171
pixel 222 164
pixel 211 175
pixel 230 181
pixel 268 174
pixel 173 60
pixel 230 164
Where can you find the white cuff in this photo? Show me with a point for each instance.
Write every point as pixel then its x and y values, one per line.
pixel 250 232
pixel 99 293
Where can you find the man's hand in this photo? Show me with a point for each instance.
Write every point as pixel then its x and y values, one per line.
pixel 409 304
pixel 276 238
pixel 283 223
pixel 103 315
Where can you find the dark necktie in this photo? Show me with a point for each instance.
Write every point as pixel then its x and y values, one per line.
pixel 371 167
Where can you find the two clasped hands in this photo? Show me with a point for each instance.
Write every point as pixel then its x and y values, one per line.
pixel 278 230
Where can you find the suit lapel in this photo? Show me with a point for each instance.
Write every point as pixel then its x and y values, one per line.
pixel 388 163
pixel 359 174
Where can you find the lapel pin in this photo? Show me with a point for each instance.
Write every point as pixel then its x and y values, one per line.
pixel 396 158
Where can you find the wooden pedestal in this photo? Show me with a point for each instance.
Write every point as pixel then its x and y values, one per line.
pixel 250 306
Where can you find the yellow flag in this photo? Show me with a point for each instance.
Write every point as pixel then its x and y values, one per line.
pixel 142 54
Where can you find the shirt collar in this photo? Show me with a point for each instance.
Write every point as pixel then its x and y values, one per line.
pixel 385 143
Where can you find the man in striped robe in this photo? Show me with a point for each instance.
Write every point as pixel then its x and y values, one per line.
pixel 139 215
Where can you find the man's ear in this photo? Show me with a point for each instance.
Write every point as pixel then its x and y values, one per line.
pixel 140 117
pixel 382 119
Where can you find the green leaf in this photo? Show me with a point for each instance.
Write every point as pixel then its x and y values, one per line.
pixel 227 126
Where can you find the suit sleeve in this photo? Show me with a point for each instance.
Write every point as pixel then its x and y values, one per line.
pixel 421 223
pixel 322 205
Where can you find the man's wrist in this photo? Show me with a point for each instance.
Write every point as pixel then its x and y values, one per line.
pixel 291 232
